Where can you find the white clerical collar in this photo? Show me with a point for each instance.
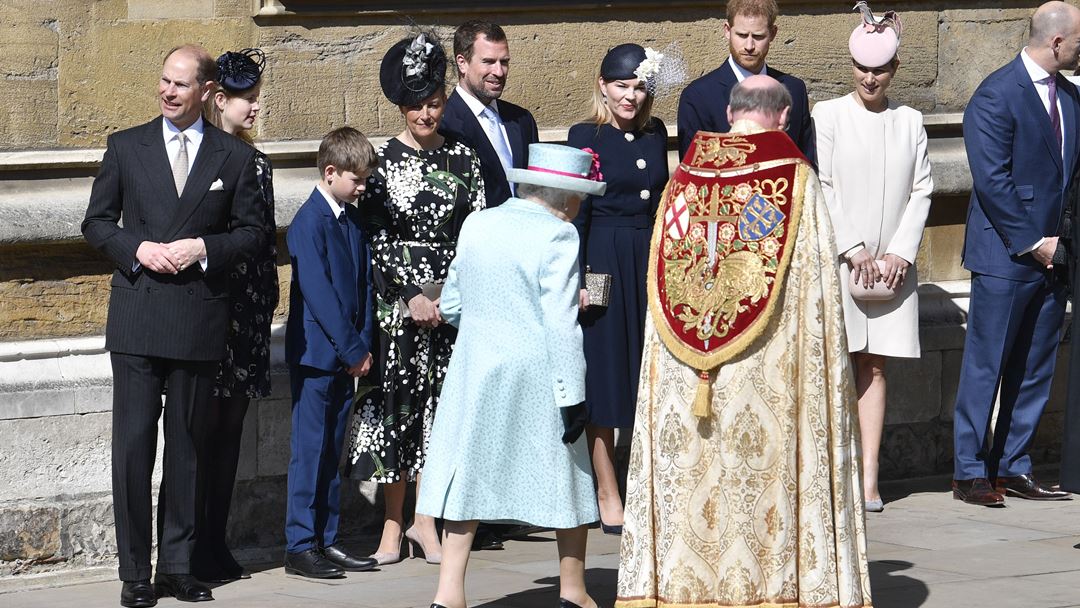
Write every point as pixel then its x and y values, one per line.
pixel 336 208
pixel 194 133
pixel 742 73
pixel 475 105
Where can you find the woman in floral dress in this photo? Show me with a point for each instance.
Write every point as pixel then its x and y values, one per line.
pixel 244 373
pixel 416 202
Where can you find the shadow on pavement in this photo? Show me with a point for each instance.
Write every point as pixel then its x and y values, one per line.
pixel 892 590
pixel 600 582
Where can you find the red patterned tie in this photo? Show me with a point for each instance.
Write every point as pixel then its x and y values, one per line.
pixel 1055 118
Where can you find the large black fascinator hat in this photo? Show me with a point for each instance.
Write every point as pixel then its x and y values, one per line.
pixel 621 62
pixel 413 69
pixel 660 72
pixel 240 70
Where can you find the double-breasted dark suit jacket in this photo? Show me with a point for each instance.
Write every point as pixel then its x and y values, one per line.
pixel 458 122
pixel 182 316
pixel 703 107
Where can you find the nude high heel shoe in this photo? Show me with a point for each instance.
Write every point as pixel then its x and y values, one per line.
pixel 416 543
pixel 385 558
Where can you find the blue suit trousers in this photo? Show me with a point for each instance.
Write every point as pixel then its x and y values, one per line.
pixel 1013 332
pixel 320 412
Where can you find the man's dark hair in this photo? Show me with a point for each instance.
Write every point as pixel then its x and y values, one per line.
pixel 347 150
pixel 466 33
pixel 771 99
pixel 205 65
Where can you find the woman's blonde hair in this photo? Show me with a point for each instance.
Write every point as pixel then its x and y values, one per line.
pixel 213 115
pixel 602 115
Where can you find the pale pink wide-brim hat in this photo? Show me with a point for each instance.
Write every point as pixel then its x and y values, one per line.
pixel 873 45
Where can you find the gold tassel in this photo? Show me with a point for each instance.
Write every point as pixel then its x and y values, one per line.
pixel 703 396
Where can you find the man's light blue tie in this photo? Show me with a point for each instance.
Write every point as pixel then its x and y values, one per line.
pixel 498 140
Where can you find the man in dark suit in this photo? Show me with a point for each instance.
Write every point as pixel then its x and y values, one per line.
pixel 174 206
pixel 1020 131
pixel 498 130
pixel 750 28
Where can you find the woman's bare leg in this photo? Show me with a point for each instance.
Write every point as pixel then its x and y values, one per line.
pixel 457 542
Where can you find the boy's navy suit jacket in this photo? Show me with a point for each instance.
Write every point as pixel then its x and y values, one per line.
pixel 331 304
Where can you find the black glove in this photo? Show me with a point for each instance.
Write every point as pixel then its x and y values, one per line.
pixel 574 419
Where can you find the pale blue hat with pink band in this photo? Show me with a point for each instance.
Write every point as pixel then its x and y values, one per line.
pixel 561 167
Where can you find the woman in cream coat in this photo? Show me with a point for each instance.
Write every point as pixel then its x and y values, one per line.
pixel 876 178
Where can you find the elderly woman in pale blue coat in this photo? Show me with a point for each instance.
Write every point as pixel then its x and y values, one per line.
pixel 506 444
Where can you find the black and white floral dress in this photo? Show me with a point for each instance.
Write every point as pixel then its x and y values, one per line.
pixel 415 204
pixel 253 296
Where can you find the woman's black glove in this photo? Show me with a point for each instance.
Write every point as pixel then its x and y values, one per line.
pixel 574 419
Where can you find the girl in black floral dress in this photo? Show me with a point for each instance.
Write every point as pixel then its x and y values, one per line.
pixel 417 200
pixel 244 373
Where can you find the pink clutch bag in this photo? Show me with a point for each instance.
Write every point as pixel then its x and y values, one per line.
pixel 877 291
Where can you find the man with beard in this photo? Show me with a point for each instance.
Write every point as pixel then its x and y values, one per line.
pixel 750 29
pixel 498 130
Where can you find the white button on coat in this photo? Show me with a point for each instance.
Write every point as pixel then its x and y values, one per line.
pixel 641 163
pixel 629 136
pixel 644 195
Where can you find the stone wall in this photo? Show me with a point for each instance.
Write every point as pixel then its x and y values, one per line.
pixel 71 72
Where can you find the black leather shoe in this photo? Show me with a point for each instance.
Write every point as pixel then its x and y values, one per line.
pixel 138 594
pixel 348 562
pixel 1026 486
pixel 567 604
pixel 486 539
pixel 311 564
pixel 977 492
pixel 183 587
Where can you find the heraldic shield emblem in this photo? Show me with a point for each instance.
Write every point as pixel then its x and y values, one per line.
pixel 718 258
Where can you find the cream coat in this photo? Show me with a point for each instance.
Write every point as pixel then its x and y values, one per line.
pixel 875 175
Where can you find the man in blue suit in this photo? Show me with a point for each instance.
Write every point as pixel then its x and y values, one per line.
pixel 498 130
pixel 328 343
pixel 1020 130
pixel 750 29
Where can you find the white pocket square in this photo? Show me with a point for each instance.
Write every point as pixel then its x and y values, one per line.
pixel 217 185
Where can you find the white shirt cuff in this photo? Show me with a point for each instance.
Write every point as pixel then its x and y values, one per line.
pixel 850 253
pixel 1037 244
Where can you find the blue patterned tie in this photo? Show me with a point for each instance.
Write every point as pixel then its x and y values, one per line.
pixel 498 140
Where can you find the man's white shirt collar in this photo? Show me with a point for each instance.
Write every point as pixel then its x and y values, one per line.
pixel 742 73
pixel 336 208
pixel 1033 69
pixel 194 133
pixel 475 105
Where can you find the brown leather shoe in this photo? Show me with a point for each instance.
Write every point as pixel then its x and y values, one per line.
pixel 977 492
pixel 1026 486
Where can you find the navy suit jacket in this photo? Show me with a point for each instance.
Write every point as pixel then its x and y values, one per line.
pixel 458 122
pixel 703 107
pixel 183 316
pixel 1018 172
pixel 331 304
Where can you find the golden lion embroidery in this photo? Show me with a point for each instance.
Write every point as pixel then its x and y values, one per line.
pixel 720 151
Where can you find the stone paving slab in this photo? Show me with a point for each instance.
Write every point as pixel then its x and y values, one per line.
pixel 926 551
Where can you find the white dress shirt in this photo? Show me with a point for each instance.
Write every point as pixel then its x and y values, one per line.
pixel 336 207
pixel 742 73
pixel 477 107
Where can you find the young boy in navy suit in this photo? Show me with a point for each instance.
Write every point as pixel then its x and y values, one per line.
pixel 328 344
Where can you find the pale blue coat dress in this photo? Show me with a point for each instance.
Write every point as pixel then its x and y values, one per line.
pixel 495 452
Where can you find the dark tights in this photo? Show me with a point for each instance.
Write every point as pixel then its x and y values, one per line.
pixel 219 456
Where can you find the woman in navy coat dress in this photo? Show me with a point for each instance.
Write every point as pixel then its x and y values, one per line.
pixel 631 148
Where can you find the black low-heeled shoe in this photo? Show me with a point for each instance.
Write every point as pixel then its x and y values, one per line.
pixel 613 530
pixel 437 606
pixel 567 604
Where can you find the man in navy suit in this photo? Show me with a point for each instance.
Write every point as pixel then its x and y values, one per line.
pixel 328 342
pixel 498 130
pixel 750 28
pixel 175 205
pixel 1020 131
